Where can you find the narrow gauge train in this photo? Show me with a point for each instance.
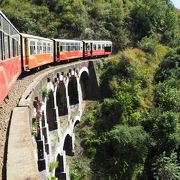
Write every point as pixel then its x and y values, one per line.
pixel 22 52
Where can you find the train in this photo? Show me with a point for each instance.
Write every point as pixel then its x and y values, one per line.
pixel 21 52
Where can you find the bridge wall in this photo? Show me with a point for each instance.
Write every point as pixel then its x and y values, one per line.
pixel 42 126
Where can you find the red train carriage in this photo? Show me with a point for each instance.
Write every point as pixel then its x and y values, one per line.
pixel 36 51
pixel 10 62
pixel 67 49
pixel 96 48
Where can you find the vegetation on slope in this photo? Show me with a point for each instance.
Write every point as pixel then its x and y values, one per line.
pixel 133 132
pixel 123 22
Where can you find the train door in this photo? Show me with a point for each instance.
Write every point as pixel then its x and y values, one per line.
pixel 86 49
pixel 1 46
pixel 58 51
pixel 84 44
pixel 24 53
pixel 91 49
pixel 54 50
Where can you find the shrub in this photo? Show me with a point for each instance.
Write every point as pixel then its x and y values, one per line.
pixel 169 67
pixel 148 44
pixel 167 95
pixel 52 166
pixel 45 92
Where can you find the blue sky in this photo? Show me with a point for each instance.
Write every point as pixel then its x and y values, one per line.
pixel 176 3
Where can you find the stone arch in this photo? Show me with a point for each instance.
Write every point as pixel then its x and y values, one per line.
pixel 82 70
pixel 76 122
pixel 84 82
pixel 60 167
pixel 61 172
pixel 68 145
pixel 73 91
pixel 61 99
pixel 51 111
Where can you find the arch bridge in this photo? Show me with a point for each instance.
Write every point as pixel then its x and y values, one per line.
pixel 42 125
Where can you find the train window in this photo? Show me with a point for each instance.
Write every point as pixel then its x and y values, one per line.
pixel 69 48
pixel 76 46
pixel 6 46
pixel 99 46
pixel 1 51
pixel 5 26
pixel 11 30
pixel 103 46
pixel 66 47
pixel 18 48
pixel 11 47
pixel 87 46
pixel 14 49
pixel 72 47
pixel 39 48
pixel 61 48
pixel 49 48
pixel 44 47
pixel 32 47
pixel 94 46
pixel 0 22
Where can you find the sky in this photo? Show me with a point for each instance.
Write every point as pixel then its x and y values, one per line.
pixel 176 3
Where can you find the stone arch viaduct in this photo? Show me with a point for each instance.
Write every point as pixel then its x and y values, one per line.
pixel 42 125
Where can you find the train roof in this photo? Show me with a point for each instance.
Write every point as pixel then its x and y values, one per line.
pixel 97 41
pixel 67 40
pixel 35 37
pixel 4 16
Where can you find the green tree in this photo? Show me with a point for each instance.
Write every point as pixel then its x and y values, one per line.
pixel 167 167
pixel 170 67
pixel 163 129
pixel 124 150
pixel 156 16
pixel 167 95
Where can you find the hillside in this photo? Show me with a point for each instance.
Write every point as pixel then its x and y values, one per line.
pixel 123 22
pixel 133 132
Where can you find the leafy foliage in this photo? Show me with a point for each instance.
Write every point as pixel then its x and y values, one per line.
pixel 52 166
pixel 123 22
pixel 170 67
pixel 124 148
pixel 167 167
pixel 148 44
